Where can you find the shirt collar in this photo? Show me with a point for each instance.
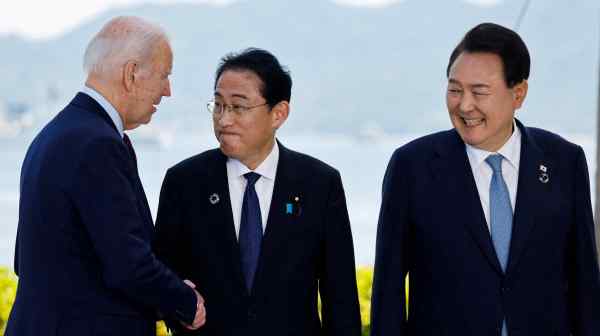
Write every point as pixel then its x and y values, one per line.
pixel 510 150
pixel 267 168
pixel 107 106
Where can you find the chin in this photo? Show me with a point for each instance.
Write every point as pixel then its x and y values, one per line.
pixel 227 150
pixel 470 140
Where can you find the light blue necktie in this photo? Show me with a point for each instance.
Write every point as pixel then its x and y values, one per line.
pixel 501 215
pixel 251 231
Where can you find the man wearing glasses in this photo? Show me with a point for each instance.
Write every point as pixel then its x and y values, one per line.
pixel 260 229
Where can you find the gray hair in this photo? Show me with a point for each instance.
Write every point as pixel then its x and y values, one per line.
pixel 122 39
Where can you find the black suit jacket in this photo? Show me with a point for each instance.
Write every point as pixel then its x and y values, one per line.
pixel 432 226
pixel 302 253
pixel 83 252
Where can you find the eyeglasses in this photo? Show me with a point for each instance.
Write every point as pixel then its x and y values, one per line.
pixel 217 109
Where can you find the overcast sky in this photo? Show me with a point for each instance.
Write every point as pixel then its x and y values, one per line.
pixel 42 19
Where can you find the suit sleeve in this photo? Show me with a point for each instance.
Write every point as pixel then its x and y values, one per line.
pixel 340 308
pixel 584 282
pixel 168 244
pixel 388 308
pixel 103 194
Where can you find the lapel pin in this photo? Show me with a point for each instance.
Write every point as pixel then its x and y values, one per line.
pixel 214 199
pixel 544 177
pixel 293 206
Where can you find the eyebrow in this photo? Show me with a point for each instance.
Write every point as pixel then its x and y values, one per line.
pixel 232 96
pixel 472 86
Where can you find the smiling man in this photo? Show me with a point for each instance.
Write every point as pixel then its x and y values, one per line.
pixel 83 252
pixel 491 220
pixel 261 229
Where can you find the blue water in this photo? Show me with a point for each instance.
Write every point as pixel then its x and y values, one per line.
pixel 361 161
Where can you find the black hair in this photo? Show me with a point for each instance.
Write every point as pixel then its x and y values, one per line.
pixel 276 79
pixel 499 40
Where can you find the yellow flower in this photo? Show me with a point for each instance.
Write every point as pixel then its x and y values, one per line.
pixel 8 289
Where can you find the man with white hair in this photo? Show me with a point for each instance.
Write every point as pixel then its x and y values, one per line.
pixel 83 251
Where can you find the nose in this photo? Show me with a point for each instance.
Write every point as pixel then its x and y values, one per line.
pixel 467 102
pixel 167 90
pixel 225 118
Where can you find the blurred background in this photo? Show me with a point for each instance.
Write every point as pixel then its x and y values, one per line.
pixel 369 75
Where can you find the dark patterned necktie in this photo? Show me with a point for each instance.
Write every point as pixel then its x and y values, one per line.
pixel 127 142
pixel 139 188
pixel 251 231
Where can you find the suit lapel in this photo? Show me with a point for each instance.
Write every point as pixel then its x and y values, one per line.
pixel 284 186
pixel 454 175
pixel 90 104
pixel 279 221
pixel 529 189
pixel 222 215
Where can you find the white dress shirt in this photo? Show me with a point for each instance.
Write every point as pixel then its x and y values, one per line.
pixel 264 186
pixel 107 106
pixel 511 152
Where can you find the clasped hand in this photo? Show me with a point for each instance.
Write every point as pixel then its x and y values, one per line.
pixel 200 317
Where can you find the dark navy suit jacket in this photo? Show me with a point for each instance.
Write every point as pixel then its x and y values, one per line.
pixel 83 251
pixel 432 226
pixel 303 252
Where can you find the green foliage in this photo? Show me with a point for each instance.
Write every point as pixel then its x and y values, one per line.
pixel 8 289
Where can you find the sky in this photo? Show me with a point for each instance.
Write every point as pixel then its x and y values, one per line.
pixel 51 18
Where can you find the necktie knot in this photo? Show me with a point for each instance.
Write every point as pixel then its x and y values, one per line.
pixel 251 177
pixel 127 140
pixel 495 162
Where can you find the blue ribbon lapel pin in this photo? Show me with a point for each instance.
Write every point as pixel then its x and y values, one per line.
pixel 293 206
